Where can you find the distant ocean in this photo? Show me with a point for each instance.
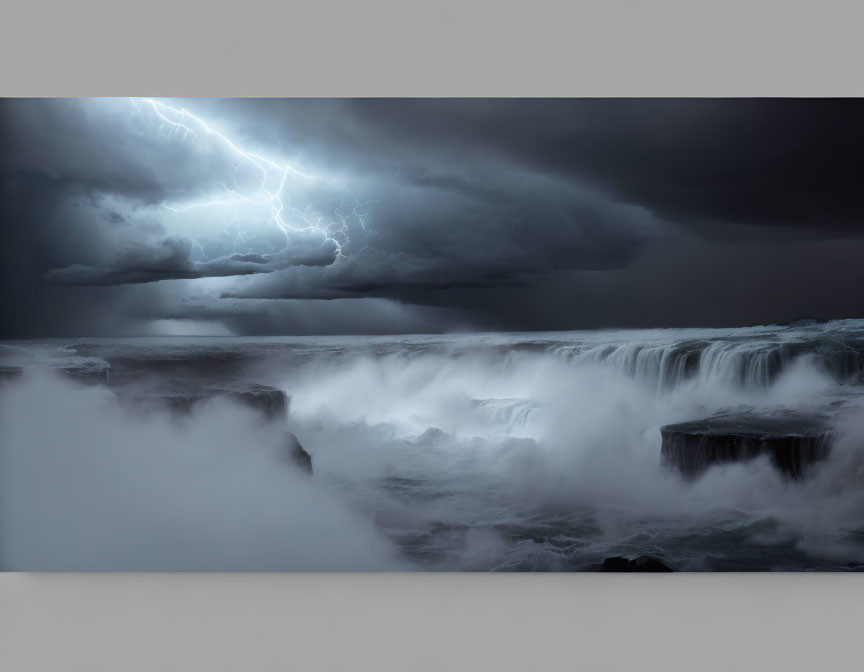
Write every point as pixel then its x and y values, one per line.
pixel 486 452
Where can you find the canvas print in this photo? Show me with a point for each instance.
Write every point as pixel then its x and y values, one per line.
pixel 431 335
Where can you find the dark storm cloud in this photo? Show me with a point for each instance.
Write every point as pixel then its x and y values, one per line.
pixel 105 147
pixel 167 259
pixel 441 241
pixel 170 259
pixel 779 162
pixel 502 213
pixel 793 163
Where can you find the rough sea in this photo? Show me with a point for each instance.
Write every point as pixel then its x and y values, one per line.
pixel 471 452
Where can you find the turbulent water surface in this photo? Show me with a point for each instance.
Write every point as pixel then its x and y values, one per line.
pixel 460 452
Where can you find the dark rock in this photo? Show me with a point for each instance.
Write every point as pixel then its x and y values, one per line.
pixel 648 564
pixel 297 454
pixel 616 565
pixel 270 402
pixel 644 563
pixel 792 442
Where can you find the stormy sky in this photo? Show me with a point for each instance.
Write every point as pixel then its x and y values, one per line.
pixel 306 216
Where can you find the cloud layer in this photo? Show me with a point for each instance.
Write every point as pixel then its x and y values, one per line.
pixel 488 213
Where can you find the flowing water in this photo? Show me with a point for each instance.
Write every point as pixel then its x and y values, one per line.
pixel 535 451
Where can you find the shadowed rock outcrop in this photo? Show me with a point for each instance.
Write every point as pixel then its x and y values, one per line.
pixel 272 403
pixel 269 401
pixel 643 563
pixel 792 442
pixel 297 454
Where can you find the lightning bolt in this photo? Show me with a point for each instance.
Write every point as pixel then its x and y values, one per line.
pixel 270 191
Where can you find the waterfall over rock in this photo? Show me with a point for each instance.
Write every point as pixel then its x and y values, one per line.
pixel 475 451
pixel 747 362
pixel 792 442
